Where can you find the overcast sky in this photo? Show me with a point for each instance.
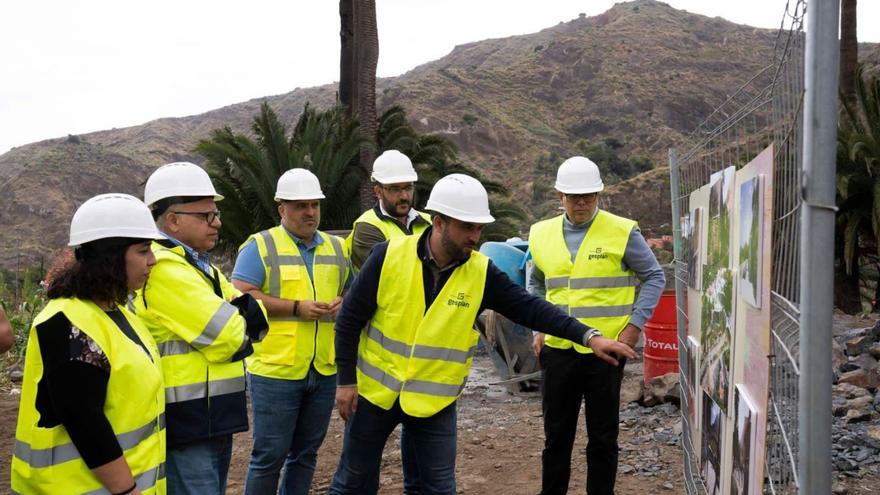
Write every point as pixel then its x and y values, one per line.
pixel 76 66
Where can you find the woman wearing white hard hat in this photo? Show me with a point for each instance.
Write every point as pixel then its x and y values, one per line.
pixel 91 417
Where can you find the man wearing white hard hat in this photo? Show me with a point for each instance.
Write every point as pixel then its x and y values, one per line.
pixel 421 296
pixel 300 274
pixel 587 261
pixel 393 216
pixel 204 329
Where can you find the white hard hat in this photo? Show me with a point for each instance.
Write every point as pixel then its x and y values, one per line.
pixel 178 179
pixel 578 175
pixel 392 167
pixel 112 215
pixel 461 197
pixel 298 184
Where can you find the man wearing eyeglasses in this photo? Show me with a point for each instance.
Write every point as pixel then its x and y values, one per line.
pixel 203 327
pixel 393 216
pixel 587 261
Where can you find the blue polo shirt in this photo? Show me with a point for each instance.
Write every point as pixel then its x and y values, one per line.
pixel 249 264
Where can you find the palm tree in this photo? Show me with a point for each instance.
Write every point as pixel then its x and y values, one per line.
pixel 246 170
pixel 359 55
pixel 849 50
pixel 858 186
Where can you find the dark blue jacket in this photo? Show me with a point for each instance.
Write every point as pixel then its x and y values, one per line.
pixel 501 294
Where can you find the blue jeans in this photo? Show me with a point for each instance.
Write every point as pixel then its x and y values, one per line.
pixel 290 422
pixel 367 431
pixel 199 468
pixel 410 464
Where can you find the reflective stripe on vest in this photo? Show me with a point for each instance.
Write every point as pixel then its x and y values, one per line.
pixel 294 343
pixel 594 289
pixel 419 351
pixel 421 357
pixel 145 482
pixel 45 459
pixel 203 389
pixel 40 458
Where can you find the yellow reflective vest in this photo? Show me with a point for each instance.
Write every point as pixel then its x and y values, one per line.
pixel 45 460
pixel 201 338
pixel 389 228
pixel 421 357
pixel 293 343
pixel 594 289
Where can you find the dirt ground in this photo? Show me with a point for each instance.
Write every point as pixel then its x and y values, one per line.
pixel 499 447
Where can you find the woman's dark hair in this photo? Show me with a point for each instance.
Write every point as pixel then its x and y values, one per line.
pixel 98 273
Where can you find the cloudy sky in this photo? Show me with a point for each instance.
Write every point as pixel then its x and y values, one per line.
pixel 76 66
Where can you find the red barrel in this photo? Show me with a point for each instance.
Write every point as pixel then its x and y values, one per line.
pixel 661 338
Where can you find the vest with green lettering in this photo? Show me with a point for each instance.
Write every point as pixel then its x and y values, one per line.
pixel 594 289
pixel 200 337
pixel 45 460
pixel 293 343
pixel 422 357
pixel 389 228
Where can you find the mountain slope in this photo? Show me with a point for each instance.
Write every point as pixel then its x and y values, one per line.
pixel 642 73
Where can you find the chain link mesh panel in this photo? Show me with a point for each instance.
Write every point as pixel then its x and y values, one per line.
pixel 767 108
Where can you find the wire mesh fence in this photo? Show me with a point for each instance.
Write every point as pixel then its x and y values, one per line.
pixel 767 108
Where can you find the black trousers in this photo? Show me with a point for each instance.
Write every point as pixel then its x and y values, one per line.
pixel 569 379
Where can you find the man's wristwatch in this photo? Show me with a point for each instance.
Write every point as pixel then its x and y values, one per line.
pixel 592 333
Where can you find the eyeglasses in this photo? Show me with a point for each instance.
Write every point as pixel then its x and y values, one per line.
pixel 209 216
pixel 399 189
pixel 586 198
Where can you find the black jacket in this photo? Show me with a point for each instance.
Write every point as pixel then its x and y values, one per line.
pixel 501 294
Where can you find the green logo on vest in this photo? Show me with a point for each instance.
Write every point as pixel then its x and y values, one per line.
pixel 597 254
pixel 460 300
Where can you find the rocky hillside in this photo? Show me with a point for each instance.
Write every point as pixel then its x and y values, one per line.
pixel 642 73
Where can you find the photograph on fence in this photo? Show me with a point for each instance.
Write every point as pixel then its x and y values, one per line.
pixel 718 290
pixel 711 445
pixel 743 443
pixel 694 246
pixel 694 392
pixel 751 236
pixel 751 338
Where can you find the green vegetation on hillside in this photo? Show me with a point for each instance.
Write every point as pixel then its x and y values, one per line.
pixel 607 154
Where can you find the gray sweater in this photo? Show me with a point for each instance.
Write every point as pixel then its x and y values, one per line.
pixel 637 256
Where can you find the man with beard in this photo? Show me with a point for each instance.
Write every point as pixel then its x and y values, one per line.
pixel 300 274
pixel 393 216
pixel 405 338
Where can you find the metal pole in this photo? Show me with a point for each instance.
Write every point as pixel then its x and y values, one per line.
pixel 675 193
pixel 816 243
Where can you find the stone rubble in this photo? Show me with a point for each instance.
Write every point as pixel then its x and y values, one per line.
pixel 855 430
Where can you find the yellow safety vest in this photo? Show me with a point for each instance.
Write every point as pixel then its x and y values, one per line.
pixel 45 460
pixel 293 343
pixel 197 332
pixel 421 357
pixel 594 289
pixel 387 226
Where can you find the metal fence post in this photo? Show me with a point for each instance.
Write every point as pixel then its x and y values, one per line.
pixel 675 192
pixel 817 245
